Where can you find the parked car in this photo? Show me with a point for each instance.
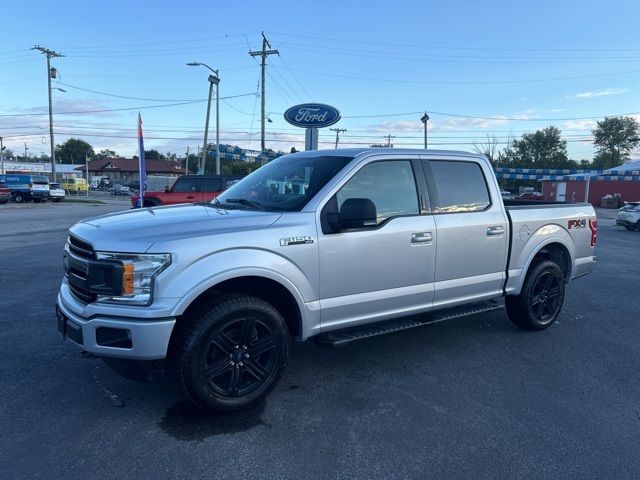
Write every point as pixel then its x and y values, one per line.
pixel 629 216
pixel 530 196
pixel 56 192
pixel 119 189
pixel 375 238
pixel 25 188
pixel 5 193
pixel 75 185
pixel 188 189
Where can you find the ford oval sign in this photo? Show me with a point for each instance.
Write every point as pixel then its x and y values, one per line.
pixel 312 115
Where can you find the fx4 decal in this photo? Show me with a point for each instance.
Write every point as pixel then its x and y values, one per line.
pixel 582 223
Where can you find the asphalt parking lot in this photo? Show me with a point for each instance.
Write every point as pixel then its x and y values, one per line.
pixel 472 398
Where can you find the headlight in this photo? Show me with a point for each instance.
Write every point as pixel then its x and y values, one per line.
pixel 138 275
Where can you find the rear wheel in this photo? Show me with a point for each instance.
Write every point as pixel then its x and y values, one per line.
pixel 232 355
pixel 19 198
pixel 541 298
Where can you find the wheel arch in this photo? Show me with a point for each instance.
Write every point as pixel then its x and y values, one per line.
pixel 266 285
pixel 558 248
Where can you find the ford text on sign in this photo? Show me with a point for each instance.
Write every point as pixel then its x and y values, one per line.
pixel 312 115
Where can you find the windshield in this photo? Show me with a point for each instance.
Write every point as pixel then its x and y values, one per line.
pixel 40 180
pixel 285 184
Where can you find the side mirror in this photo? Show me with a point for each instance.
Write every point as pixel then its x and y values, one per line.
pixel 166 188
pixel 358 213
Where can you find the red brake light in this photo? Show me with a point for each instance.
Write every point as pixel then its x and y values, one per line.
pixel 593 226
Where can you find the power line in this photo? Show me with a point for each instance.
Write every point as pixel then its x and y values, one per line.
pixel 462 82
pixel 121 109
pixel 449 47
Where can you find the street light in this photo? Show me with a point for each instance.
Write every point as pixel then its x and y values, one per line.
pixel 213 80
pixel 424 119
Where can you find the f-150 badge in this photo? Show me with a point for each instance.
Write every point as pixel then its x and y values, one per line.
pixel 285 242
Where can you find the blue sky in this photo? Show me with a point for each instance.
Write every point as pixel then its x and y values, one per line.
pixel 505 67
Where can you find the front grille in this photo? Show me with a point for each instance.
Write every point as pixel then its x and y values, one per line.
pixel 82 295
pixel 80 248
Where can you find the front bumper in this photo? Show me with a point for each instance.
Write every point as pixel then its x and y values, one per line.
pixel 625 223
pixel 134 339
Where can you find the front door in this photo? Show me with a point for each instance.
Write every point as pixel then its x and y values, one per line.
pixel 187 189
pixel 383 270
pixel 561 191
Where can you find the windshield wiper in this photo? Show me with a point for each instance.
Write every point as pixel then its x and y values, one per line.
pixel 244 201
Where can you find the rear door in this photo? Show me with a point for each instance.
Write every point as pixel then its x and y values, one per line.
pixel 472 241
pixel 211 187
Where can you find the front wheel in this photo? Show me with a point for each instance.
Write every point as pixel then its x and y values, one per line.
pixel 232 355
pixel 541 298
pixel 19 198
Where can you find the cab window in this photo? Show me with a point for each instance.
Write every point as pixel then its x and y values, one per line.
pixel 390 185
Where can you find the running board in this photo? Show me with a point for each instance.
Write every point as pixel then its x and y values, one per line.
pixel 340 338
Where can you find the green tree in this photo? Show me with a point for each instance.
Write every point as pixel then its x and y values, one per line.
pixel 73 151
pixel 106 153
pixel 615 138
pixel 152 154
pixel 542 149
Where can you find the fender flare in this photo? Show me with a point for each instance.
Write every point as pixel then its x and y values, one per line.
pixel 560 236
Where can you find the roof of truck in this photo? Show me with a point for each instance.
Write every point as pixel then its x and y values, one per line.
pixel 352 152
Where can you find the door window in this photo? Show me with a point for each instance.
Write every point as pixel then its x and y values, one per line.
pixel 390 185
pixel 461 187
pixel 211 185
pixel 187 185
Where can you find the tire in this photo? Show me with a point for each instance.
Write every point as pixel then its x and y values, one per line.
pixel 540 299
pixel 56 200
pixel 631 229
pixel 150 203
pixel 19 198
pixel 242 341
pixel 638 226
pixel 37 200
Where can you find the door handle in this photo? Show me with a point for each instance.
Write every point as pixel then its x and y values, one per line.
pixel 421 238
pixel 190 197
pixel 495 231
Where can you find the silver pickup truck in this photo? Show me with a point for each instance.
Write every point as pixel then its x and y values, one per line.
pixel 338 245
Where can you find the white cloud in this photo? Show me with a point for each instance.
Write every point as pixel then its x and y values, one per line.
pixel 579 125
pixel 397 126
pixel 601 93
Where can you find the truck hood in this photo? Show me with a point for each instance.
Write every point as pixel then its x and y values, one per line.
pixel 137 230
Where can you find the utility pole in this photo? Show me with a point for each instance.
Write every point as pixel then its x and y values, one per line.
pixel 1 157
pixel 424 119
pixel 50 73
pixel 86 169
pixel 186 162
pixel 338 130
pixel 389 137
pixel 26 159
pixel 264 53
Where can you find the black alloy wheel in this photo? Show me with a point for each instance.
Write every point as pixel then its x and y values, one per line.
pixel 232 354
pixel 240 357
pixel 545 298
pixel 540 300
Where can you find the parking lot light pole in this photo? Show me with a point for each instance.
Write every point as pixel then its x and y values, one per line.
pixel 425 119
pixel 213 80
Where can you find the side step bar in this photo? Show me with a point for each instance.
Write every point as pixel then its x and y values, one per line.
pixel 340 338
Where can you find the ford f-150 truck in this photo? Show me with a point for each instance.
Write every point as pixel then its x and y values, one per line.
pixel 338 245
